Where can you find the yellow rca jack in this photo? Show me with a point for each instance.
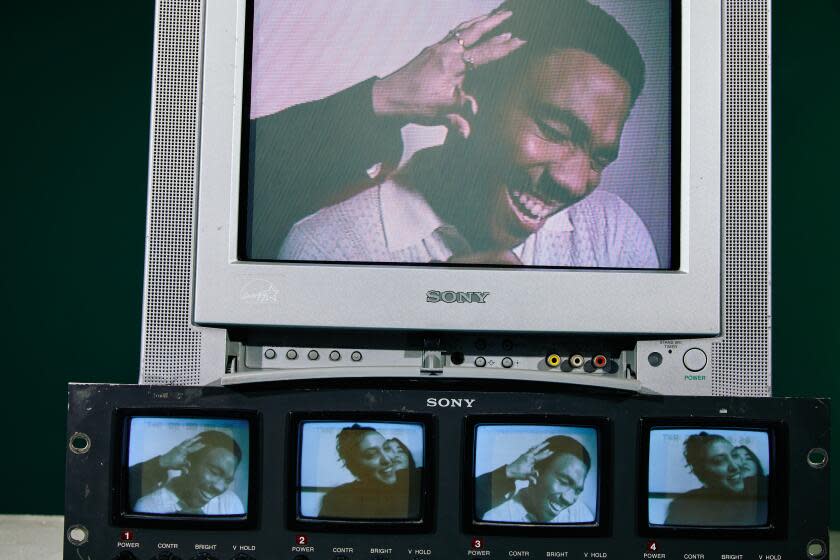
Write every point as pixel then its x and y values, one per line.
pixel 576 361
pixel 552 360
pixel 599 361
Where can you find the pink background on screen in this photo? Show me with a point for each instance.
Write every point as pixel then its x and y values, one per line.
pixel 307 50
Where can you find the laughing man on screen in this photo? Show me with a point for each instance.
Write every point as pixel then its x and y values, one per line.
pixel 207 464
pixel 536 95
pixel 553 497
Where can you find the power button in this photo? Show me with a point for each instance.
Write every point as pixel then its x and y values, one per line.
pixel 694 359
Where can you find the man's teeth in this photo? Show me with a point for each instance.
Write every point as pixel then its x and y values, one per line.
pixel 531 205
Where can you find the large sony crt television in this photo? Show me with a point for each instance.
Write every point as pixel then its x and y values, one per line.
pixel 569 190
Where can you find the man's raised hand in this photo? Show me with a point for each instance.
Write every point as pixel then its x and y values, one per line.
pixel 176 458
pixel 429 90
pixel 524 467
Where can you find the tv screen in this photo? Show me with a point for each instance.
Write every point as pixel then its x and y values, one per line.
pixel 197 467
pixel 365 471
pixel 536 474
pixel 709 477
pixel 477 132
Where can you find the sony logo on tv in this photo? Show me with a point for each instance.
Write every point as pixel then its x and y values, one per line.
pixel 444 402
pixel 436 296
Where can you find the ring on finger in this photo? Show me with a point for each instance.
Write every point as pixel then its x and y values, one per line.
pixel 457 36
pixel 469 62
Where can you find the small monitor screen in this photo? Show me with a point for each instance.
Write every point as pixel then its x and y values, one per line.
pixel 188 466
pixel 462 132
pixel 708 477
pixel 365 471
pixel 536 474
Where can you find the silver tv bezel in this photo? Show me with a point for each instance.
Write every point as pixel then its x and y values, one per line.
pixel 682 302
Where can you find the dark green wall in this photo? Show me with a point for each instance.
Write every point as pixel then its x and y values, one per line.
pixel 76 97
pixel 806 199
pixel 76 91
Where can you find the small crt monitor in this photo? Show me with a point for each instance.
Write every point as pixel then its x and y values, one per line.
pixel 362 471
pixel 709 477
pixel 536 475
pixel 177 468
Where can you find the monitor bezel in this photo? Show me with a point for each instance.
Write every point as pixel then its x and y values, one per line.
pixel 776 526
pixel 428 493
pixel 603 514
pixel 121 513
pixel 231 292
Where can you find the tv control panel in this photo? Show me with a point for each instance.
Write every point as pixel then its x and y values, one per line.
pixel 682 367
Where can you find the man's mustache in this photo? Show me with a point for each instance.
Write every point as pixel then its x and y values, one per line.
pixel 564 502
pixel 546 187
pixel 554 191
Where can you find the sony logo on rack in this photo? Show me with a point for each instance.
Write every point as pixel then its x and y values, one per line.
pixel 436 296
pixel 449 403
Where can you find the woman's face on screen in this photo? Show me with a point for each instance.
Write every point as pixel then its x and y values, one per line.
pixel 376 462
pixel 720 469
pixel 745 461
pixel 397 452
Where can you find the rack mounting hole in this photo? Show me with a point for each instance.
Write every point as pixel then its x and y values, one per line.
pixel 77 535
pixel 817 458
pixel 79 443
pixel 816 549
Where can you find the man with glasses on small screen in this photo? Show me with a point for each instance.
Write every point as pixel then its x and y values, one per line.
pixel 552 496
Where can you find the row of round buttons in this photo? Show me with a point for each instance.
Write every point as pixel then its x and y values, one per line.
pixel 292 354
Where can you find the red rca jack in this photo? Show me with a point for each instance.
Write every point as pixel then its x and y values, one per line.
pixel 599 361
pixel 576 361
pixel 553 360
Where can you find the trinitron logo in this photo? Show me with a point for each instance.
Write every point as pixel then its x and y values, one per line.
pixel 436 296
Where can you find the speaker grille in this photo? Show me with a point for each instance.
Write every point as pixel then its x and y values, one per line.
pixel 171 346
pixel 741 359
